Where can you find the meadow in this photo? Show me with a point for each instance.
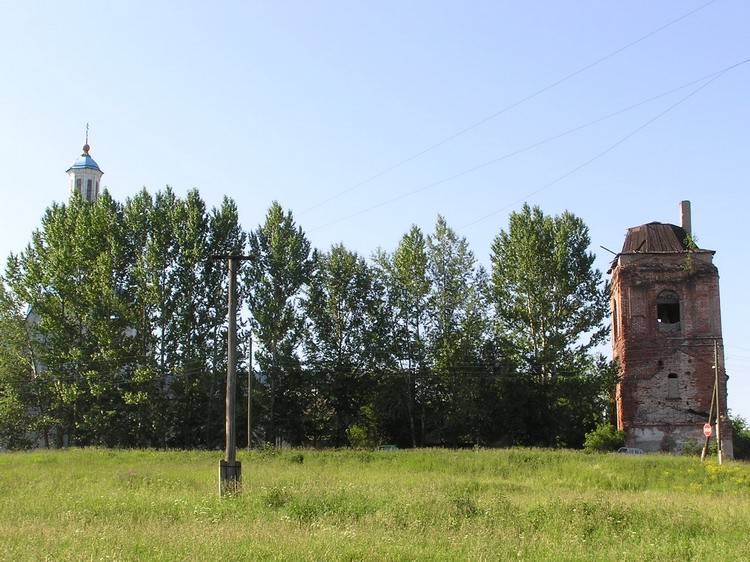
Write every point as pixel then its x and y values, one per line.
pixel 434 504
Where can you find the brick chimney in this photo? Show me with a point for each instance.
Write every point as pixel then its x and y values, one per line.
pixel 685 221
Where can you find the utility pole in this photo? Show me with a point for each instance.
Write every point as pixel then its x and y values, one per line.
pixel 710 416
pixel 715 400
pixel 250 395
pixel 230 469
pixel 718 402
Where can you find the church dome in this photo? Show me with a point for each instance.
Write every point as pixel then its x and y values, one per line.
pixel 84 161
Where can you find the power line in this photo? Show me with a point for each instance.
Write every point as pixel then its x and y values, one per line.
pixel 604 152
pixel 507 108
pixel 710 77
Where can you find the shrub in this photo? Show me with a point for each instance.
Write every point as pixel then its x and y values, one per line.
pixel 604 438
pixel 358 437
pixel 741 438
pixel 694 447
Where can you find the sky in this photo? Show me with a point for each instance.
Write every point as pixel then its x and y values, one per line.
pixel 367 117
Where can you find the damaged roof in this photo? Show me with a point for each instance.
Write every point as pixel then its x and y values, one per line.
pixel 655 237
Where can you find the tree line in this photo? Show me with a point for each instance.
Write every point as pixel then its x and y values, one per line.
pixel 113 326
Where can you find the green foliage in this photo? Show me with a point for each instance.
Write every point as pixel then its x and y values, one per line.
pixel 127 311
pixel 694 447
pixel 455 339
pixel 548 298
pixel 364 433
pixel 741 437
pixel 357 435
pixel 404 276
pixel 17 381
pixel 691 245
pixel 550 304
pixel 604 438
pixel 279 270
pixel 343 308
pixel 420 347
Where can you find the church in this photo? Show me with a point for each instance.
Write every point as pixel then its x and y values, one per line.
pixel 666 336
pixel 85 175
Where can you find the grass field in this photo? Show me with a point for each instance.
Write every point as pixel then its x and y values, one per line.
pixel 513 504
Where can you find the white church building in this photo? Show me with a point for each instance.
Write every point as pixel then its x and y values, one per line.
pixel 84 175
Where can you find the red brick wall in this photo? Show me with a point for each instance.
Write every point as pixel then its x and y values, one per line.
pixel 658 413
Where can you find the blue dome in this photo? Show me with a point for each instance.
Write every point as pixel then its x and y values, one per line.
pixel 84 161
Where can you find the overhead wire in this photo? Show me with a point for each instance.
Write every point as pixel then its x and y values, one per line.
pixel 710 77
pixel 608 149
pixel 508 108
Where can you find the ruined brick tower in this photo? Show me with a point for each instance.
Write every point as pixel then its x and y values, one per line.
pixel 665 324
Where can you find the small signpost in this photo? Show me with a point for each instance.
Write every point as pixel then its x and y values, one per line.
pixel 707 429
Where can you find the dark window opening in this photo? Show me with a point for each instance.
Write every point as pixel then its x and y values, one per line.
pixel 668 311
pixel 673 387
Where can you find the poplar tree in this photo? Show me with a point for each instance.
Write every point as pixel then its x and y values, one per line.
pixel 549 303
pixel 343 347
pixel 19 395
pixel 72 276
pixel 404 274
pixel 146 394
pixel 456 332
pixel 279 269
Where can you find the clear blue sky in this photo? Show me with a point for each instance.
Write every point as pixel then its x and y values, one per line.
pixel 301 101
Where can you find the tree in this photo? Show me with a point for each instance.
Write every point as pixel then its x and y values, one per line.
pixel 344 342
pixel 72 275
pixel 741 438
pixel 197 316
pixel 456 330
pixel 549 305
pixel 17 375
pixel 279 269
pixel 225 237
pixel 147 256
pixel 127 323
pixel 404 275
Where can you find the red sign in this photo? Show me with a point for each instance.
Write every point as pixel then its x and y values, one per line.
pixel 707 429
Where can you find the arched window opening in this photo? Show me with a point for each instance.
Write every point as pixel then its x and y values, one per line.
pixel 673 387
pixel 668 311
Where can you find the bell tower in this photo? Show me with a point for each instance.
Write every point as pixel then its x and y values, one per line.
pixel 666 334
pixel 85 174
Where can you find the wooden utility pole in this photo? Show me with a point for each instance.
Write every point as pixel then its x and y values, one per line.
pixel 230 469
pixel 250 396
pixel 715 400
pixel 718 402
pixel 710 417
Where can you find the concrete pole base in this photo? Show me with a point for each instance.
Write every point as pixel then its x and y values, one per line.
pixel 230 478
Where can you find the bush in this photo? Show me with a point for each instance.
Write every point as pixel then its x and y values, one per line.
pixel 604 438
pixel 364 433
pixel 741 438
pixel 694 447
pixel 358 437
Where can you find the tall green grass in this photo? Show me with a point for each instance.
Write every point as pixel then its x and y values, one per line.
pixel 515 504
